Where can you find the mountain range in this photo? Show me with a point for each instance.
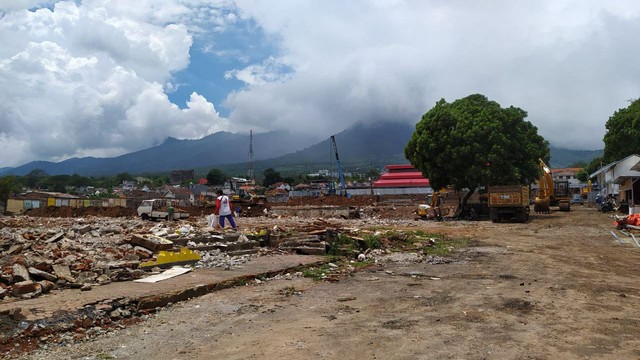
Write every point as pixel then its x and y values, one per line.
pixel 372 145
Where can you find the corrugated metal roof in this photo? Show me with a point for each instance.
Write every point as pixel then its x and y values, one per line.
pixel 402 183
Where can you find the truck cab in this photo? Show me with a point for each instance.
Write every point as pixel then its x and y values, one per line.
pixel 154 209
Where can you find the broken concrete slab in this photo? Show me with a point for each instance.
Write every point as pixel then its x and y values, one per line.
pixel 46 285
pixel 63 272
pixel 42 274
pixel 20 273
pixel 84 229
pixel 26 289
pixel 15 249
pixel 86 277
pixel 306 250
pixel 151 242
pixel 56 237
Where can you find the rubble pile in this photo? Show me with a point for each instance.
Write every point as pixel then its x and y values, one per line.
pixel 38 255
pixel 68 211
pixel 333 200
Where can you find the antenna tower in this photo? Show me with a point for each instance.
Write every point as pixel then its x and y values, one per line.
pixel 250 170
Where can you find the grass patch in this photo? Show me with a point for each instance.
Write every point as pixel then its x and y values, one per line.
pixel 444 247
pixel 361 264
pixel 316 273
pixel 372 241
pixel 342 245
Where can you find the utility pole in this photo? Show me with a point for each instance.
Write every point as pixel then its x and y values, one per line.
pixel 250 170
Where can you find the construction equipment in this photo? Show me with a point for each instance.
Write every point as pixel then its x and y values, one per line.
pixel 433 206
pixel 159 209
pixel 509 202
pixel 551 193
pixel 343 186
pixel 240 189
pixel 423 210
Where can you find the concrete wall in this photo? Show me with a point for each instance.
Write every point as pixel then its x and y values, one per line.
pixel 368 191
pixel 311 211
pixel 17 206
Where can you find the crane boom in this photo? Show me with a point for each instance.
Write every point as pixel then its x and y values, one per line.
pixel 343 187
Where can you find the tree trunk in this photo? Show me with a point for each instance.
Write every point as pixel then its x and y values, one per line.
pixel 466 197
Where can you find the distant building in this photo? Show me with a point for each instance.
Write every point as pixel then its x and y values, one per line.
pixel 567 174
pixel 401 176
pixel 180 176
pixel 128 185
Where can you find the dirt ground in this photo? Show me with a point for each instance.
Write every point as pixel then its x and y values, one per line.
pixel 558 287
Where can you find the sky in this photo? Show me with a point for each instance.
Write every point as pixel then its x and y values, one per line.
pixel 108 77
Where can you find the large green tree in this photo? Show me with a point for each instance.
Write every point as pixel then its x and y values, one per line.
pixel 623 133
pixel 34 177
pixel 271 176
pixel 473 142
pixel 6 184
pixel 216 177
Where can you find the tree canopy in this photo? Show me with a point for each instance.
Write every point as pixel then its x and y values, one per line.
pixel 623 133
pixel 216 177
pixel 271 176
pixel 6 184
pixel 473 142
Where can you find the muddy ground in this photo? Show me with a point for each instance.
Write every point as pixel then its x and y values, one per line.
pixel 558 287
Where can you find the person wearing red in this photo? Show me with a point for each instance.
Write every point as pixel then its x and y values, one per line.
pixel 223 210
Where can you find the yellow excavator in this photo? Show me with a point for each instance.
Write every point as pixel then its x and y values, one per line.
pixel 551 193
pixel 432 207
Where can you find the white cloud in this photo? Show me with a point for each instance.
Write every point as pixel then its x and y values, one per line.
pixel 10 5
pixel 570 64
pixel 92 77
pixel 86 79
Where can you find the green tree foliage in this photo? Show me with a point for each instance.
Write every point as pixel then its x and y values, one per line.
pixel 271 177
pixel 6 184
pixel 122 177
pixel 34 177
pixel 216 177
pixel 594 165
pixel 581 175
pixel 474 142
pixel 290 180
pixel 623 133
pixel 55 183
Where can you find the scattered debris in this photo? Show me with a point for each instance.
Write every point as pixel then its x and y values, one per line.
pixel 172 272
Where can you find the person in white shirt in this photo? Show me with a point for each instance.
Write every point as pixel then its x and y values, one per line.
pixel 223 210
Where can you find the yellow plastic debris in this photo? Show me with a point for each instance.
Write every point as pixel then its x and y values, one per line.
pixel 169 258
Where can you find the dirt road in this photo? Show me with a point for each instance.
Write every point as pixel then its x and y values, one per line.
pixel 558 287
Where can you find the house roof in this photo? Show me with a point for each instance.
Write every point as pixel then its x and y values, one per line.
pixel 612 165
pixel 401 176
pixel 402 183
pixel 572 170
pixel 604 169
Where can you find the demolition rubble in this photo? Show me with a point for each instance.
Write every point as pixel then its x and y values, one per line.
pixel 47 251
pixel 39 254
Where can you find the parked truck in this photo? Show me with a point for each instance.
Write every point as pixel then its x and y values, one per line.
pixel 509 202
pixel 160 209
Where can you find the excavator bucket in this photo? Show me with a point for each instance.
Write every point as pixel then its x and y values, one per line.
pixel 541 205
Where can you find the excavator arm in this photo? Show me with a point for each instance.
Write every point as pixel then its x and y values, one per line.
pixel 545 189
pixel 548 193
